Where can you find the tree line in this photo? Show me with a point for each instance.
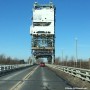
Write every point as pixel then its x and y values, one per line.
pixel 8 60
pixel 81 63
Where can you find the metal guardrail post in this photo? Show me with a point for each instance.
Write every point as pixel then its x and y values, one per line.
pixel 7 68
pixel 84 74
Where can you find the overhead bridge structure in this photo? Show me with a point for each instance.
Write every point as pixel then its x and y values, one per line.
pixel 42 32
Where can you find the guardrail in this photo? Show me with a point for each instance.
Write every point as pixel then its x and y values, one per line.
pixel 83 74
pixel 9 68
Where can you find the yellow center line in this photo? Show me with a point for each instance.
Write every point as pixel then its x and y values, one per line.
pixel 20 83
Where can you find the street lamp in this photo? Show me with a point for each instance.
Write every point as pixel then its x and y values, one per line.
pixel 62 57
pixel 76 51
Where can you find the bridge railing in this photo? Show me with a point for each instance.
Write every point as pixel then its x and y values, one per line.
pixel 7 68
pixel 83 74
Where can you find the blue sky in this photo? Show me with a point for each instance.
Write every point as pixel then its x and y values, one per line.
pixel 72 20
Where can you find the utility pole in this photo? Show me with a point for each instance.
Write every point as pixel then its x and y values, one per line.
pixel 76 51
pixel 89 63
pixel 62 58
pixel 80 63
pixel 66 60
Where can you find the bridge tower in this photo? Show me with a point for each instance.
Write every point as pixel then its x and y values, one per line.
pixel 42 32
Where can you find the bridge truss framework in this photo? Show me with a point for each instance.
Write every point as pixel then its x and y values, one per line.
pixel 42 32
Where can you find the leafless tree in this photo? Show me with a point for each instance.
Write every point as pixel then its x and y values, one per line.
pixel 8 60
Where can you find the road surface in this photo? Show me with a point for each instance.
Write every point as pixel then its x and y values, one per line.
pixel 33 78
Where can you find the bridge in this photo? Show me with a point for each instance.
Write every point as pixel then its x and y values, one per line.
pixel 42 32
pixel 51 77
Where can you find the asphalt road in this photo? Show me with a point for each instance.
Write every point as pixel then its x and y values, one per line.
pixel 44 79
pixel 9 80
pixel 33 78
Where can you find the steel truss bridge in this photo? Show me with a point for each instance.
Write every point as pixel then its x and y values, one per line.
pixel 42 32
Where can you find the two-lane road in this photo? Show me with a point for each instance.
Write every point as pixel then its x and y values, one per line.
pixel 40 79
pixel 44 79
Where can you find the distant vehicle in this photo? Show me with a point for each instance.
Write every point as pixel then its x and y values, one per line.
pixel 42 64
